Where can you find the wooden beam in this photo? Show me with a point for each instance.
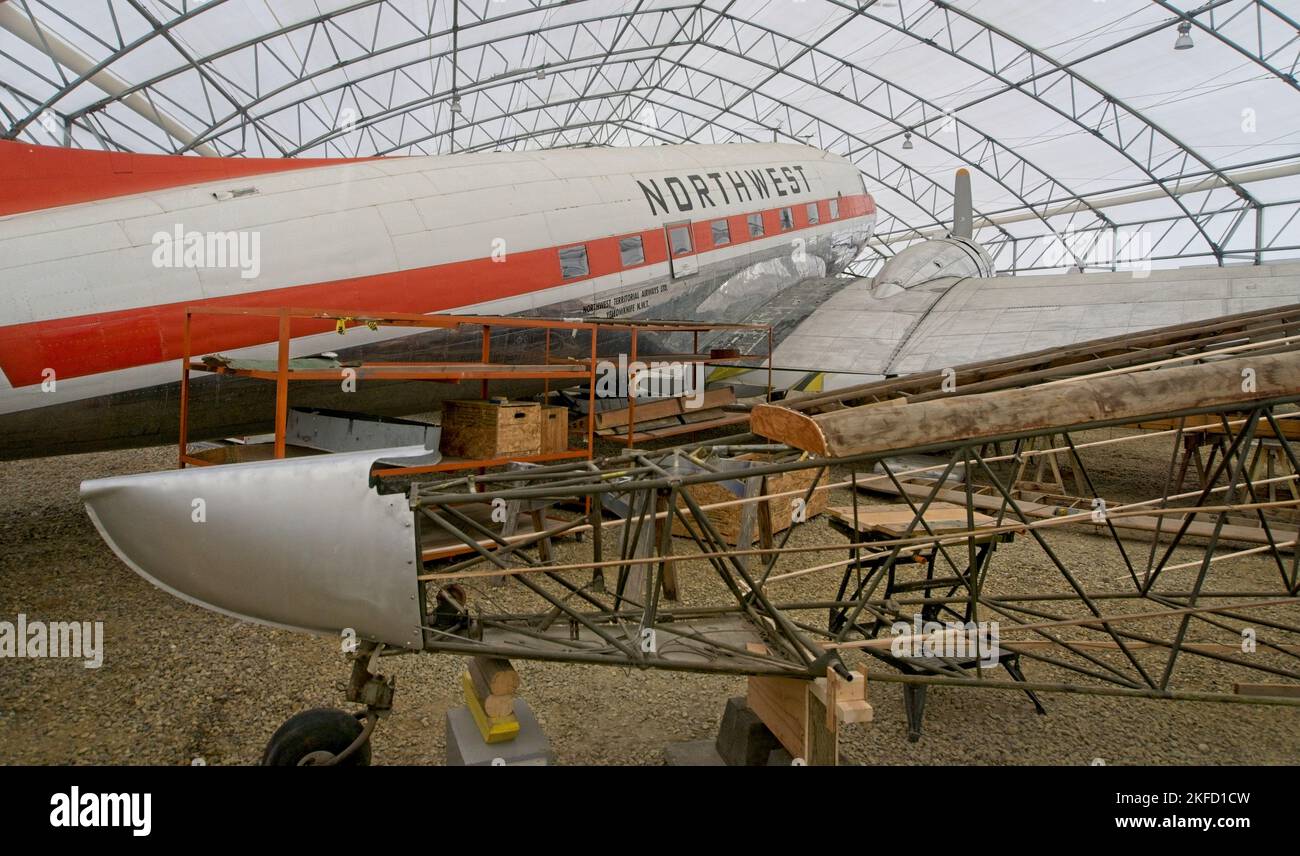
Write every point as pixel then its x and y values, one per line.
pixel 779 702
pixel 1115 398
pixel 1276 690
pixel 494 674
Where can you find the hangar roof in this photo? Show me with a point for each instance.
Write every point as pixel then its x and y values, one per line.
pixel 1083 125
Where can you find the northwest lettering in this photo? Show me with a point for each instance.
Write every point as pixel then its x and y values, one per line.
pixel 698 191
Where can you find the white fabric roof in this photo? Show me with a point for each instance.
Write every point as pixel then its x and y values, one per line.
pixel 1089 137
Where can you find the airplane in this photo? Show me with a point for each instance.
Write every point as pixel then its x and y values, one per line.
pixel 702 233
pixel 100 253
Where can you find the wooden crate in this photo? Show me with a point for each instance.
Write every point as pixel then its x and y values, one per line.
pixel 555 429
pixel 728 520
pixel 489 429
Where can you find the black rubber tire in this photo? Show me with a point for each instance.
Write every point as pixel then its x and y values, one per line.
pixel 320 729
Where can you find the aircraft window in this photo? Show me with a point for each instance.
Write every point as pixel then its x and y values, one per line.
pixel 630 251
pixel 573 262
pixel 755 225
pixel 787 219
pixel 679 238
pixel 813 216
pixel 835 209
pixel 721 233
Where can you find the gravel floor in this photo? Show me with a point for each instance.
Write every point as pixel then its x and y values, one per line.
pixel 180 683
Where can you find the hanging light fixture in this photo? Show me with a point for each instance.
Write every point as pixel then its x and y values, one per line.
pixel 455 104
pixel 907 141
pixel 541 72
pixel 1184 42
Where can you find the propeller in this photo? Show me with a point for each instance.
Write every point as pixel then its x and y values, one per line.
pixel 963 220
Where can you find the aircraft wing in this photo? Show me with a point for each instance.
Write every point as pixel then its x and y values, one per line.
pixel 854 337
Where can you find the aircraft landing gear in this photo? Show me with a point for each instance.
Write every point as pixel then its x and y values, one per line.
pixel 323 736
pixel 326 736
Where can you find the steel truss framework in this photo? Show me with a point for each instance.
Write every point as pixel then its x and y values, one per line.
pixel 378 77
pixel 1102 635
pixel 759 610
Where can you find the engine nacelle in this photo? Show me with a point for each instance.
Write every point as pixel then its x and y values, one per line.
pixel 929 260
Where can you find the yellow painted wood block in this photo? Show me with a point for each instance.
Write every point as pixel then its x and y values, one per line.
pixel 494 729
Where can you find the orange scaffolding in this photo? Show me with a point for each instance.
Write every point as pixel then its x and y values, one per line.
pixel 568 370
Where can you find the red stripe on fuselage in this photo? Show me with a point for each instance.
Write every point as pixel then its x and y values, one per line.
pixel 37 177
pixel 110 341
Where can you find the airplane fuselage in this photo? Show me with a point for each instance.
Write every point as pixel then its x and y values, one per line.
pixel 101 252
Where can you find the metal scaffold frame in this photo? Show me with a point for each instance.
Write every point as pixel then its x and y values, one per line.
pixel 555 368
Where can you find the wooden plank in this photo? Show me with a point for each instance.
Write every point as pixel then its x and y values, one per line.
pixel 748 517
pixel 1272 690
pixel 663 536
pixel 663 407
pixel 781 704
pixel 555 429
pixel 765 526
pixel 893 520
pixel 688 428
pixel 821 734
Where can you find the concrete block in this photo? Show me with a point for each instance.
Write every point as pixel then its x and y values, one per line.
pixel 743 739
pixel 465 746
pixel 780 757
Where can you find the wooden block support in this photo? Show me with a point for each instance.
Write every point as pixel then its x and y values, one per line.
pixel 806 715
pixel 821 739
pixel 851 705
pixel 495 682
pixel 780 703
pixel 494 729
pixel 495 674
